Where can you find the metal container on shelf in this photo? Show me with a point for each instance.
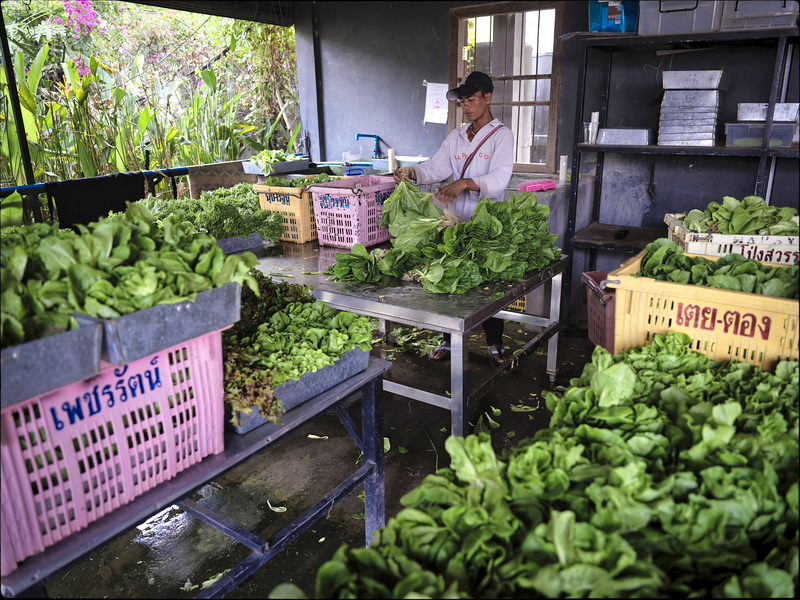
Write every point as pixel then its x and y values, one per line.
pixel 785 112
pixel 690 99
pixel 675 121
pixel 707 79
pixel 686 136
pixel 689 112
pixel 625 136
pixel 688 129
pixel 686 142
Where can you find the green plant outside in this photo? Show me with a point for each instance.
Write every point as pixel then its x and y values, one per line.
pixel 104 116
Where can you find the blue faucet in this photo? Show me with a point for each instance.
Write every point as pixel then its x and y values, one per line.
pixel 375 149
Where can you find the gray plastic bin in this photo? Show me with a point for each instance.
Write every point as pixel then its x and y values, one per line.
pixel 296 391
pixel 764 14
pixel 679 16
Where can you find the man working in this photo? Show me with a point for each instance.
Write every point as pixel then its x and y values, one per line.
pixel 480 157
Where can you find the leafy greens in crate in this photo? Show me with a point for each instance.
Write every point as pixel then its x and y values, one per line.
pixel 666 261
pixel 222 213
pixel 283 333
pixel 750 216
pixel 663 474
pixel 296 181
pixel 112 267
pixel 502 241
pixel 266 157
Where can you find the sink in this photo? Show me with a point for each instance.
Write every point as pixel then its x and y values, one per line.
pixel 339 168
pixel 382 164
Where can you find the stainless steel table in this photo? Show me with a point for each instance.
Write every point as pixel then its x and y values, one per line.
pixel 407 303
pixel 33 571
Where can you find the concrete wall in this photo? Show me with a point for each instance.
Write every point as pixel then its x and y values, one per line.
pixel 372 60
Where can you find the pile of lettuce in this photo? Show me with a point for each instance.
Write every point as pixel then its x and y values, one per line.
pixel 662 474
pixel 502 241
pixel 222 213
pixel 282 334
pixel 111 267
pixel 665 261
pixel 750 216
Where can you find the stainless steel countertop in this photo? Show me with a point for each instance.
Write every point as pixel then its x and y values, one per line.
pixel 393 299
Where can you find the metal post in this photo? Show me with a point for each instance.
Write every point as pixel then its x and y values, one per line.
pixel 15 107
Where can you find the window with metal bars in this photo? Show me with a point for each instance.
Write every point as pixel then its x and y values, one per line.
pixel 517 45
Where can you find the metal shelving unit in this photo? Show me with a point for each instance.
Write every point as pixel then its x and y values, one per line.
pixel 600 236
pixel 28 580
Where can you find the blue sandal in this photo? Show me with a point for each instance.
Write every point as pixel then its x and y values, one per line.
pixel 498 355
pixel 440 348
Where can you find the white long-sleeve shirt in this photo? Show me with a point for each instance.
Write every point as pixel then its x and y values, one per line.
pixel 490 168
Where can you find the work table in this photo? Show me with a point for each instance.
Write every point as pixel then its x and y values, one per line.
pixel 405 302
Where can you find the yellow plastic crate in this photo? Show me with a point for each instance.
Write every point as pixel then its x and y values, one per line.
pixel 723 324
pixel 518 304
pixel 296 206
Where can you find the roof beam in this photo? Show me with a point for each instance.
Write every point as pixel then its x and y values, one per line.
pixel 274 13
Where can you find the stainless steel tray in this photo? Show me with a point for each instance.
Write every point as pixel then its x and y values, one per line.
pixel 686 142
pixel 625 136
pixel 785 112
pixel 686 136
pixel 709 79
pixel 686 112
pixel 688 129
pixel 690 98
pixel 669 122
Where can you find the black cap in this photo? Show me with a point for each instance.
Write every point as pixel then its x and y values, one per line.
pixel 472 83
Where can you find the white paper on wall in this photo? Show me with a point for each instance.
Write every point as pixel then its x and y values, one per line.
pixel 435 103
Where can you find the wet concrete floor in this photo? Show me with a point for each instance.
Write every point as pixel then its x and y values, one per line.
pixel 173 553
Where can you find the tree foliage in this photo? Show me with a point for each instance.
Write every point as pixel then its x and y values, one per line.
pixel 117 84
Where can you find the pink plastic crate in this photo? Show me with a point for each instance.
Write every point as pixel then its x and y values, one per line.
pixel 349 211
pixel 73 455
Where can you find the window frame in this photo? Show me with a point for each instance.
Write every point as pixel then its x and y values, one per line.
pixel 458 39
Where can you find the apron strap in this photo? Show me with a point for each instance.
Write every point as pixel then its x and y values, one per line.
pixel 474 152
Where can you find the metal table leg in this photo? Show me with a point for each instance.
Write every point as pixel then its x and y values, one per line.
pixel 555 310
pixel 458 374
pixel 372 435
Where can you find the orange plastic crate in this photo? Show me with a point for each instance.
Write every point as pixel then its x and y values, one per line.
pixel 296 206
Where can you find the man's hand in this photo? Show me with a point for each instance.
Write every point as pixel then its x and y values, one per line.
pixel 445 195
pixel 405 173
